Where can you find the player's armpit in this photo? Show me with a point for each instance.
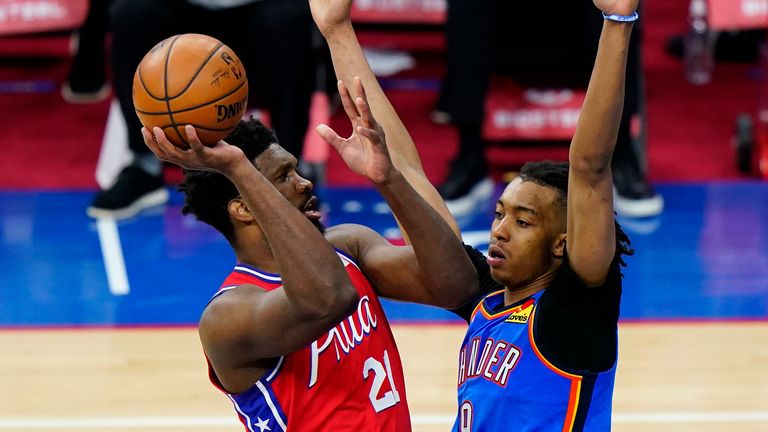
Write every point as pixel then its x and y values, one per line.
pixel 246 325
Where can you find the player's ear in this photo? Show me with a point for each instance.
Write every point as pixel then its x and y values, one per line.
pixel 239 211
pixel 558 246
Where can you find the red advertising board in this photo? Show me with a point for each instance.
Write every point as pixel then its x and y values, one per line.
pixel 399 11
pixel 35 16
pixel 516 113
pixel 738 14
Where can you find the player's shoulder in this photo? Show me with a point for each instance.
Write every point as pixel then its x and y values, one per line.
pixel 348 230
pixel 352 239
pixel 567 276
pixel 230 299
pixel 228 318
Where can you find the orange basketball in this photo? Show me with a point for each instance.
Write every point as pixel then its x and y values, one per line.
pixel 190 79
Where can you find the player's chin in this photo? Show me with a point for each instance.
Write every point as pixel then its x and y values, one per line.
pixel 316 222
pixel 319 225
pixel 501 275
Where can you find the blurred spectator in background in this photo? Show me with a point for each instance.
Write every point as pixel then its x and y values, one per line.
pixel 273 38
pixel 730 46
pixel 477 32
pixel 87 79
pixel 470 48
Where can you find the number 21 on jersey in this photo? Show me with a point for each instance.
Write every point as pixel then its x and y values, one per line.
pixel 389 398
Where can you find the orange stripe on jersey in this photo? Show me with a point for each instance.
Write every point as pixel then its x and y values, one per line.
pixel 480 305
pixel 489 315
pixel 573 398
pixel 573 403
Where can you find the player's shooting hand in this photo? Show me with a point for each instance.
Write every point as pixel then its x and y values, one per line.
pixel 617 7
pixel 222 157
pixel 330 14
pixel 365 151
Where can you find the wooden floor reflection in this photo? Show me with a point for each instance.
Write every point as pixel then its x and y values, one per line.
pixel 672 377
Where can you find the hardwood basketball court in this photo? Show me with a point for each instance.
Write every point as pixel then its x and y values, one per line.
pixel 671 377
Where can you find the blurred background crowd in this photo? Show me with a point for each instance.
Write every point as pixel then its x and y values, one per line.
pixel 483 85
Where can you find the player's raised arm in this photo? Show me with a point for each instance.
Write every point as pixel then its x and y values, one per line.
pixel 248 324
pixel 435 270
pixel 591 241
pixel 333 19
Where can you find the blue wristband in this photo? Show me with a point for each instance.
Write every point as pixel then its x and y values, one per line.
pixel 622 18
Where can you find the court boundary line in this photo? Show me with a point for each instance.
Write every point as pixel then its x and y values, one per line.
pixel 184 422
pixel 112 253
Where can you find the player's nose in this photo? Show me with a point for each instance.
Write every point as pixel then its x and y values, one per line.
pixel 305 186
pixel 499 231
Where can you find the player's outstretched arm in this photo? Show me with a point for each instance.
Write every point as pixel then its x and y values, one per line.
pixel 247 324
pixel 591 241
pixel 333 19
pixel 435 270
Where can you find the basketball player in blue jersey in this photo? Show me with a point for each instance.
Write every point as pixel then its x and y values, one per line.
pixel 540 352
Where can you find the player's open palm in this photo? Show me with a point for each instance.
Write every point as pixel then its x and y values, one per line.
pixel 365 151
pixel 617 7
pixel 329 14
pixel 220 158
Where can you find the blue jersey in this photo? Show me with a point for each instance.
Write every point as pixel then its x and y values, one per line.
pixel 505 383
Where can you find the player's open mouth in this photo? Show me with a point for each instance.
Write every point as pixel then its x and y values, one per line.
pixel 310 209
pixel 496 256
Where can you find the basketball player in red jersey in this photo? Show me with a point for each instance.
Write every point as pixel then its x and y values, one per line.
pixel 296 336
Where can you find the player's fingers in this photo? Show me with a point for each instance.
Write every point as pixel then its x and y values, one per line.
pixel 373 136
pixel 347 102
pixel 330 136
pixel 365 112
pixel 194 141
pixel 360 89
pixel 162 141
pixel 150 141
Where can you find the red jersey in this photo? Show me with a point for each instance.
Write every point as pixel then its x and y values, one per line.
pixel 348 380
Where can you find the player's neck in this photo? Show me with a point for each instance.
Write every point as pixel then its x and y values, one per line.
pixel 513 294
pixel 258 254
pixel 266 264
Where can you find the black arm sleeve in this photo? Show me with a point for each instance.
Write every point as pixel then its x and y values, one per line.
pixel 487 284
pixel 576 325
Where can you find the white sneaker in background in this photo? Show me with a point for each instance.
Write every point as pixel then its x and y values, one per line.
pixel 387 63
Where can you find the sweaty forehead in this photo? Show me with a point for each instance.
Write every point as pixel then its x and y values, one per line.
pixel 273 158
pixel 527 194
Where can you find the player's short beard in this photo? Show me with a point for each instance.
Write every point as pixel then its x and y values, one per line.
pixel 319 225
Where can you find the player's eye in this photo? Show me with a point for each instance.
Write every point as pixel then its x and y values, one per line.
pixel 282 176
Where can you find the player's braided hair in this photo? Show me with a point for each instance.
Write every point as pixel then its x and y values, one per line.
pixel 207 194
pixel 555 175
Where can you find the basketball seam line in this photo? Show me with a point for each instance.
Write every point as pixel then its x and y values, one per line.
pixel 168 98
pixel 196 106
pixel 199 69
pixel 146 89
pixel 167 101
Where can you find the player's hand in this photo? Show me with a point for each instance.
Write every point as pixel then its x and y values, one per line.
pixel 221 158
pixel 365 151
pixel 330 14
pixel 617 7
